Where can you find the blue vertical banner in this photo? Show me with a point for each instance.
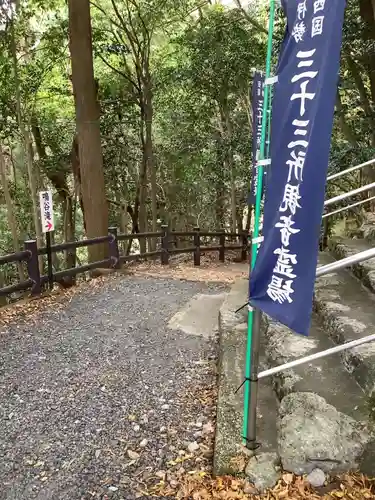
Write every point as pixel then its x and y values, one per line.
pixel 257 97
pixel 282 281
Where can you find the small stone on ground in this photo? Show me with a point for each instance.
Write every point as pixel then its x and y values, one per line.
pixel 316 478
pixel 263 470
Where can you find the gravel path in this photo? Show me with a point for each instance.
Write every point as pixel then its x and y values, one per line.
pixel 99 399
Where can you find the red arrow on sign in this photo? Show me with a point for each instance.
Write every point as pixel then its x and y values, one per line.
pixel 49 226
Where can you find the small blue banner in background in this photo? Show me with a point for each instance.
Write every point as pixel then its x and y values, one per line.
pixel 257 108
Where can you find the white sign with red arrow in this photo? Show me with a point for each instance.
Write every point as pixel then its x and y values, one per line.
pixel 46 211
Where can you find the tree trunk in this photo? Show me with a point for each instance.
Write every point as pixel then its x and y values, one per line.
pixel 88 127
pixel 13 50
pixel 248 109
pixel 10 212
pixel 77 176
pixel 27 154
pixel 151 167
pixel 365 102
pixel 152 171
pixel 124 223
pixel 134 215
pixel 228 157
pixel 142 182
pixel 14 170
pixel 233 197
pixel 347 131
pixel 219 184
pixel 34 193
pixel 367 12
pixel 240 217
pixel 69 234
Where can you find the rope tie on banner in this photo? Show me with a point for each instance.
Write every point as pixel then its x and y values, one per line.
pixel 246 379
pixel 255 446
pixel 249 308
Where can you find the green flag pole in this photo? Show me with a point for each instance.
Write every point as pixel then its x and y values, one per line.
pixel 253 325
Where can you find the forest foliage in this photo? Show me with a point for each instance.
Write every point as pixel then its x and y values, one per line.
pixel 137 112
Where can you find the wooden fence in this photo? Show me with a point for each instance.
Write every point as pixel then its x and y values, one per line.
pixel 36 281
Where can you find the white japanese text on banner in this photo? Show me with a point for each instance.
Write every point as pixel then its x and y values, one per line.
pixel 282 281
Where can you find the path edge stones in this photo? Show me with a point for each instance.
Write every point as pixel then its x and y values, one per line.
pixel 232 344
pixel 228 442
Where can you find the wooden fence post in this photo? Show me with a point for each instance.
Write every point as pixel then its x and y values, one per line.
pixel 244 237
pixel 165 245
pixel 222 246
pixel 114 252
pixel 197 244
pixel 33 267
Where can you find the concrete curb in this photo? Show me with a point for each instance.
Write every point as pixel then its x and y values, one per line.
pixel 232 332
pixel 228 444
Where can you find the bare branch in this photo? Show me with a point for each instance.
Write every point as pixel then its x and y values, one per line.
pixel 118 71
pixel 146 30
pixel 131 35
pixel 252 21
pixel 112 21
pixel 348 132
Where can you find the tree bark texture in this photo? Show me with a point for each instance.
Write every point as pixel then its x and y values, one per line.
pixel 141 198
pixel 26 149
pixel 151 167
pixel 10 212
pixel 88 126
pixel 228 157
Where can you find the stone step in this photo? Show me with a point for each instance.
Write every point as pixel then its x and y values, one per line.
pixel 367 230
pixel 347 312
pixel 345 247
pixel 310 419
pixel 323 414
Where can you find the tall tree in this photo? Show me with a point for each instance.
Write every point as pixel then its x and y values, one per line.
pixel 10 211
pixel 88 126
pixel 133 26
pixel 227 47
pixel 26 147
